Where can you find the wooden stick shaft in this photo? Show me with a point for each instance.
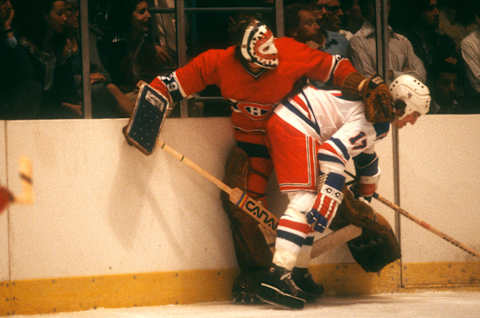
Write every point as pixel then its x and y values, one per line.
pixel 422 223
pixel 195 167
pixel 236 195
pixel 425 225
pixel 335 239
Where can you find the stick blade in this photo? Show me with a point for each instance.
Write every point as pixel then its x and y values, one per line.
pixel 25 172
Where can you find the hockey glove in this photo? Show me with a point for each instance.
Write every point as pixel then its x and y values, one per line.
pixel 378 101
pixel 366 187
pixel 375 95
pixel 326 204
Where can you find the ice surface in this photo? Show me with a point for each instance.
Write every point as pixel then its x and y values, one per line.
pixel 449 304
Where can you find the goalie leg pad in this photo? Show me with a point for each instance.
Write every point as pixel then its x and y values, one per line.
pixel 378 245
pixel 251 247
pixel 147 118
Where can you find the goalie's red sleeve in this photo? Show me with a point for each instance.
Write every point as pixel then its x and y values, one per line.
pixel 223 69
pixel 254 97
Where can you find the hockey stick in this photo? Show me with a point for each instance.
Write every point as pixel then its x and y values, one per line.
pixel 264 217
pixel 422 223
pixel 26 197
pixel 236 196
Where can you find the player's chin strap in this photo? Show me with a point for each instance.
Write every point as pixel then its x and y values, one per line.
pixel 422 223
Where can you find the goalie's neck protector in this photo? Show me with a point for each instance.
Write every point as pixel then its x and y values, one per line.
pixel 258 46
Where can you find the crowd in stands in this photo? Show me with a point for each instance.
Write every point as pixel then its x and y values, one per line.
pixel 437 41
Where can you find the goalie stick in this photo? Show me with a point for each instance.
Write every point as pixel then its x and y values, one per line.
pixel 264 217
pixel 26 196
pixel 422 223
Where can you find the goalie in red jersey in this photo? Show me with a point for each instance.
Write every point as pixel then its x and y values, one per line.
pixel 255 75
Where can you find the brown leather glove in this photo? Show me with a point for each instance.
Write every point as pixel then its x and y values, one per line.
pixel 375 95
pixel 378 245
pixel 378 101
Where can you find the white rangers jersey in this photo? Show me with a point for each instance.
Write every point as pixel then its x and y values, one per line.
pixel 324 115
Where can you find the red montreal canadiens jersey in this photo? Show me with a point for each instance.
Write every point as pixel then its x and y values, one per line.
pixel 254 98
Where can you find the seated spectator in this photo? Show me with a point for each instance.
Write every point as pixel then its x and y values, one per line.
pixel 329 15
pixel 43 35
pixel 20 92
pixel 470 50
pixel 107 99
pixel 401 56
pixel 132 53
pixel 429 44
pixel 446 95
pixel 456 19
pixel 352 18
pixel 302 24
pixel 165 28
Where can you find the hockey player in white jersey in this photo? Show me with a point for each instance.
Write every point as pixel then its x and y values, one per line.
pixel 311 137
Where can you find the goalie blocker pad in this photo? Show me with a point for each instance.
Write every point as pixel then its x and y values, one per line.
pixel 146 121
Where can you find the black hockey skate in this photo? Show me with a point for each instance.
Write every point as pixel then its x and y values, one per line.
pixel 245 287
pixel 304 280
pixel 279 289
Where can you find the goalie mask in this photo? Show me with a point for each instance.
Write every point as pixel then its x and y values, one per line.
pixel 412 92
pixel 258 47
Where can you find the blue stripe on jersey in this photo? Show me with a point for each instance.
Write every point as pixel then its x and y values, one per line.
pixel 294 110
pixel 381 129
pixel 308 240
pixel 325 157
pixel 296 239
pixel 173 87
pixel 366 164
pixel 335 180
pixel 341 146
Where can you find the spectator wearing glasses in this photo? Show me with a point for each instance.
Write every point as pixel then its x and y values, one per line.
pixel 329 15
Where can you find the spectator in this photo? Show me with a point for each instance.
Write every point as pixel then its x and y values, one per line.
pixel 105 100
pixel 352 18
pixel 302 25
pixel 446 98
pixel 132 52
pixel 329 15
pixel 166 29
pixel 20 92
pixel 470 50
pixel 429 44
pixel 43 34
pixel 401 56
pixel 456 19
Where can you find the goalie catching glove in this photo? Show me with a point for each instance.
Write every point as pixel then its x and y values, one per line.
pixel 375 95
pixel 377 246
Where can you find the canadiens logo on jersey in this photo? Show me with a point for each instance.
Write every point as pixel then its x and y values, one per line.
pixel 253 110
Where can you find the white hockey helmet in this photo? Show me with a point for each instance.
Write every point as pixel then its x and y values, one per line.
pixel 412 92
